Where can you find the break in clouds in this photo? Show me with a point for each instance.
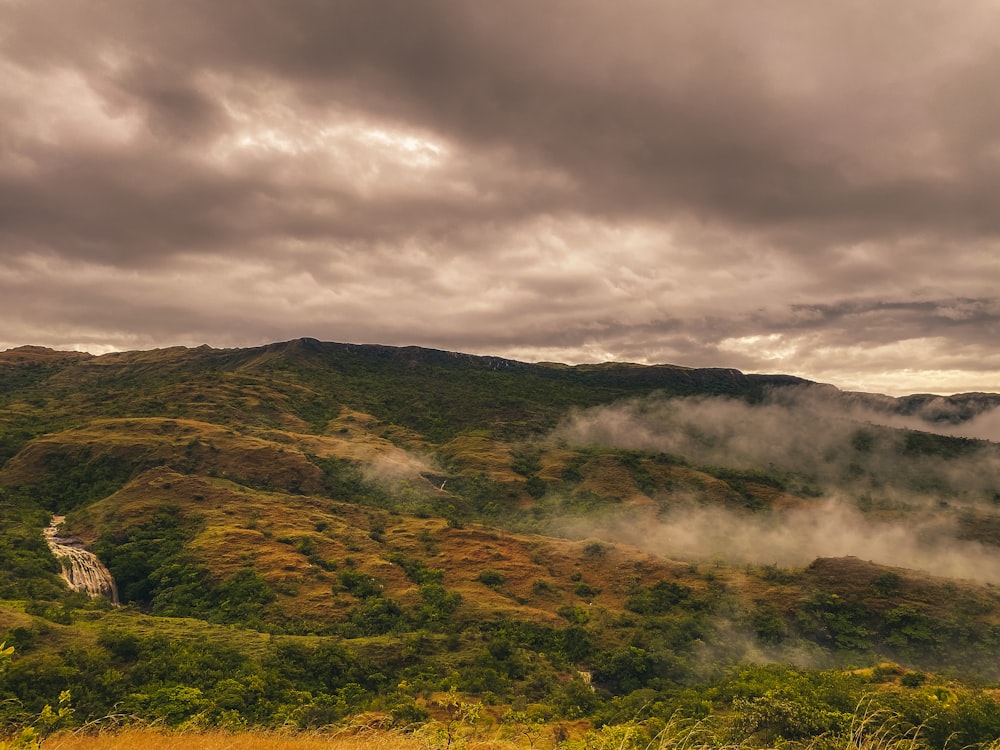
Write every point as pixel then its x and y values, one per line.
pixel 883 495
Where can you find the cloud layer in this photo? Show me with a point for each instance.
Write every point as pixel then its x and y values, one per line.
pixel 783 186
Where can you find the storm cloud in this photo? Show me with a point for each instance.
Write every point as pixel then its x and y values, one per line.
pixel 783 186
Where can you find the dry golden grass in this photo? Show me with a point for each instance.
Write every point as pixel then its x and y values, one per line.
pixel 207 448
pixel 26 355
pixel 150 739
pixel 477 452
pixel 608 477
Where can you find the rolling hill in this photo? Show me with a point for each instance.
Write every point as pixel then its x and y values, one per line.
pixel 307 531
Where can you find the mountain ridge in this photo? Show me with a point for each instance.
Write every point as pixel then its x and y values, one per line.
pixel 426 355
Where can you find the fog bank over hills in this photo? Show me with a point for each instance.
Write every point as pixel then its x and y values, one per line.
pixel 793 538
pixel 878 482
pixel 813 430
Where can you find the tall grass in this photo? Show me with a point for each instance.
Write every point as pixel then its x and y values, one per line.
pixel 151 739
pixel 870 729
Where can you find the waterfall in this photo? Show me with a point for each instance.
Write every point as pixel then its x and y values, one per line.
pixel 80 568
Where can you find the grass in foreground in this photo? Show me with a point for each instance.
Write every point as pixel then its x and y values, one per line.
pixel 150 739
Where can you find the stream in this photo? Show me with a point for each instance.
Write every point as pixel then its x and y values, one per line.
pixel 80 567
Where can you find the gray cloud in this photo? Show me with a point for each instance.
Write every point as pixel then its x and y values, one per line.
pixel 784 186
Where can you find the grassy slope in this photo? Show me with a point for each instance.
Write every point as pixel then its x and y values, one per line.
pixel 297 476
pixel 153 740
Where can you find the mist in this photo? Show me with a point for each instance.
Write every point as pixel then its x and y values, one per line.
pixel 832 528
pixel 842 447
pixel 985 426
pixel 972 415
pixel 394 467
pixel 891 496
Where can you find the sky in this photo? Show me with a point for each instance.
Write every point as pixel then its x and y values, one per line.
pixel 791 186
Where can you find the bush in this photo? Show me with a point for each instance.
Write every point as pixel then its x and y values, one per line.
pixel 658 599
pixel 360 585
pixel 491 578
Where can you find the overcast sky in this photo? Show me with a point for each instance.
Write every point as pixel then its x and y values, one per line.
pixel 789 186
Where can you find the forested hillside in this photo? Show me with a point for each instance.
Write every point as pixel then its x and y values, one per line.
pixel 308 532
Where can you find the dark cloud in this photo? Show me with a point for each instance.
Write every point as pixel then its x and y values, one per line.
pixel 176 112
pixel 784 185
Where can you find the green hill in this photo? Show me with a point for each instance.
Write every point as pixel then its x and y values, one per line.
pixel 305 531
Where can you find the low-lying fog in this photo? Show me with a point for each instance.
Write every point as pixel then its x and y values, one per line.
pixel 912 497
pixel 795 538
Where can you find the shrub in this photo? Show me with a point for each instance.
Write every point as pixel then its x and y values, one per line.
pixel 491 578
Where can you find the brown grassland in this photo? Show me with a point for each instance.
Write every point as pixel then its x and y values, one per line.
pixel 151 739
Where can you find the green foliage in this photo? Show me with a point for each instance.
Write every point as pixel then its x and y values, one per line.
pixel 377 615
pixel 624 669
pixel 774 574
pixel 344 480
pixel 768 623
pixel 574 615
pixel 659 598
pixel 204 683
pixel 887 584
pixel 150 566
pixel 241 597
pixel 788 717
pixel 635 462
pixel 772 703
pixel 146 559
pixel 544 588
pixel 358 584
pixel 739 479
pixel 438 607
pixel 47 720
pixel 571 472
pixel 489 577
pixel 575 699
pixel 416 570
pixel 27 568
pixel 913 679
pixel 525 462
pixel 943 446
pixel 483 496
pixel 12 441
pixel 585 590
pixel 536 487
pixel 835 623
pixel 73 478
pixel 909 629
pixel 26 739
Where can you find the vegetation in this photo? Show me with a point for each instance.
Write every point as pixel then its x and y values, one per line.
pixel 393 546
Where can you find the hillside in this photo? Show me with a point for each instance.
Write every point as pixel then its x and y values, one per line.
pixel 307 531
